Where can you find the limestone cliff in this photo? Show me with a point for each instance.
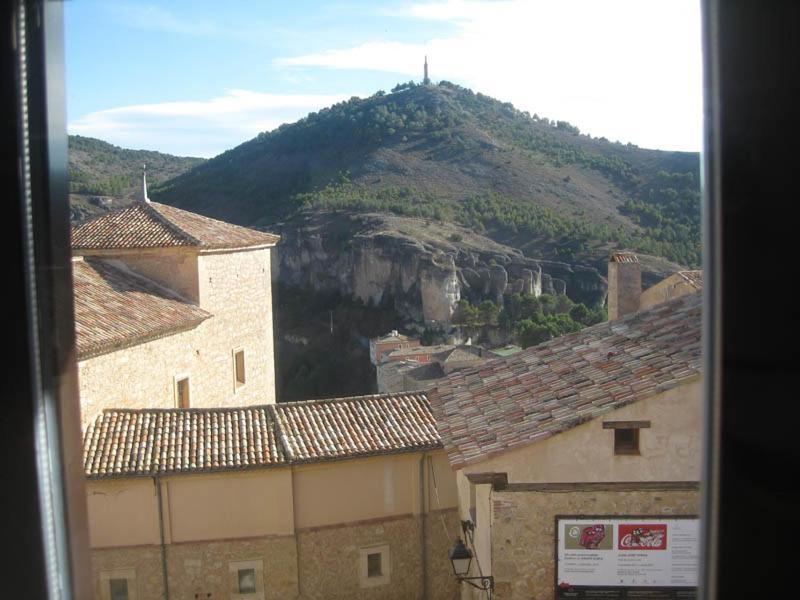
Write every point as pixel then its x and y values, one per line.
pixel 423 268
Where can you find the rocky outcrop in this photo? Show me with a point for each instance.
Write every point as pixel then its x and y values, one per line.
pixel 421 272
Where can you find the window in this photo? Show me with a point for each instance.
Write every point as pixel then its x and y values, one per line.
pixel 626 435
pixel 247 581
pixel 626 441
pixel 118 589
pixel 182 392
pixel 119 584
pixel 374 565
pixel 238 368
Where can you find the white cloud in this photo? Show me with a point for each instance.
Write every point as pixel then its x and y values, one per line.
pixel 199 128
pixel 624 69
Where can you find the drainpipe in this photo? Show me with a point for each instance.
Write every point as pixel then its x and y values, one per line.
pixel 157 483
pixel 423 532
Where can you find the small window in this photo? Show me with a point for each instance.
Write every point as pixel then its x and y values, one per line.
pixel 118 589
pixel 247 581
pixel 374 565
pixel 182 392
pixel 238 367
pixel 626 435
pixel 119 584
pixel 626 441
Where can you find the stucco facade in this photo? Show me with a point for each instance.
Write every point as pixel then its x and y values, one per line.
pixel 234 286
pixel 306 528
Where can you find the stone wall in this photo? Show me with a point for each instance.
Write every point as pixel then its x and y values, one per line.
pixel 524 537
pixel 329 559
pixel 316 563
pixel 236 288
pixel 624 288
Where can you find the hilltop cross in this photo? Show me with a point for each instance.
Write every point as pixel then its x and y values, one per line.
pixel 426 80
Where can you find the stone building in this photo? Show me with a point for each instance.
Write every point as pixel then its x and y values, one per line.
pixel 605 423
pixel 393 340
pixel 347 498
pixel 625 295
pixel 171 309
pixel 421 367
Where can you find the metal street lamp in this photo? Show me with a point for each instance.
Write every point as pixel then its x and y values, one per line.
pixel 461 558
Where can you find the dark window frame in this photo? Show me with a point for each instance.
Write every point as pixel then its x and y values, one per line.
pixel 750 81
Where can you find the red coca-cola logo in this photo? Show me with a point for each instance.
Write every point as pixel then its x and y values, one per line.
pixel 644 536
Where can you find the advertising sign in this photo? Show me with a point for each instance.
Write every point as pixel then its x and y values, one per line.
pixel 632 557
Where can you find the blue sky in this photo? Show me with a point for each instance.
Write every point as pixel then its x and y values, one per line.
pixel 196 78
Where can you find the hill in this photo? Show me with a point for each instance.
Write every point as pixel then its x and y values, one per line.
pixel 102 175
pixel 445 153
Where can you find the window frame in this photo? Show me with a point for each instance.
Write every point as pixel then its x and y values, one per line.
pixel 126 573
pixel 237 383
pixel 364 578
pixel 743 71
pixel 235 567
pixel 177 380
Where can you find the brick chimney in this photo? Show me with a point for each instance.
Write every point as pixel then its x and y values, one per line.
pixel 624 285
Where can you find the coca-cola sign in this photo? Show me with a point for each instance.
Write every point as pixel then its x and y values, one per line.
pixel 642 536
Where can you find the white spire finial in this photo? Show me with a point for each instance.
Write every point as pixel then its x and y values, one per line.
pixel 144 197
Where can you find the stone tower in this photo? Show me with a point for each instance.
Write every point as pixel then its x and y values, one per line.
pixel 426 80
pixel 624 285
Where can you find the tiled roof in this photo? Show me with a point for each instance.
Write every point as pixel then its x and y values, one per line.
pixel 420 350
pixel 624 257
pixel 362 425
pixel 127 443
pixel 154 225
pixel 115 307
pixel 152 441
pixel 694 278
pixel 511 402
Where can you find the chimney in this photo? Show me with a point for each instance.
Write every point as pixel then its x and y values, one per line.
pixel 624 285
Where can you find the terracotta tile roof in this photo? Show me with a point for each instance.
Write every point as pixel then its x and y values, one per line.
pixel 362 425
pixel 693 278
pixel 115 308
pixel 154 225
pixel 510 402
pixel 128 443
pixel 624 257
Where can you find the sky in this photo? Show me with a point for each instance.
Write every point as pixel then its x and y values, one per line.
pixel 195 78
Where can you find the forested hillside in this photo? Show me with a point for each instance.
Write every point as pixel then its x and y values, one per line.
pixel 102 175
pixel 443 152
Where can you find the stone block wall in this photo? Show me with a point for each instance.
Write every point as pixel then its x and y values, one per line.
pixel 236 289
pixel 524 537
pixel 329 559
pixel 320 563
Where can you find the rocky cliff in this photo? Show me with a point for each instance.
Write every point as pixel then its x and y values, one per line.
pixel 422 268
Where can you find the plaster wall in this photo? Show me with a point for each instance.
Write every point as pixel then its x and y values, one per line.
pixel 670 449
pixel 122 512
pixel 673 286
pixel 229 505
pixel 354 490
